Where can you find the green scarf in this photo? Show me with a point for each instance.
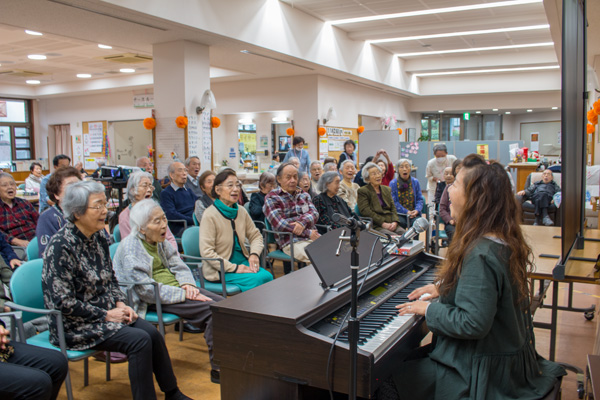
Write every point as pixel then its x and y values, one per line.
pixel 228 212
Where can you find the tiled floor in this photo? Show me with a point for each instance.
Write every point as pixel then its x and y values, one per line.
pixel 576 338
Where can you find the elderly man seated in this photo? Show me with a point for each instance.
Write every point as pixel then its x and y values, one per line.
pixel 193 166
pixel 148 166
pixel 177 200
pixel 145 256
pixel 289 209
pixel 541 194
pixel 18 218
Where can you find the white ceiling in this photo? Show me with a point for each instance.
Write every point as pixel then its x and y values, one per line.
pixel 73 28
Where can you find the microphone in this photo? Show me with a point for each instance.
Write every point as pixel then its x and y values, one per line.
pixel 418 226
pixel 351 223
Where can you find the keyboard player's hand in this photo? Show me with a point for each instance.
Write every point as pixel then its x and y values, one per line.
pixel 418 307
pixel 425 292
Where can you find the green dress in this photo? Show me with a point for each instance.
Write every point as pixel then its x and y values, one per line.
pixel 485 345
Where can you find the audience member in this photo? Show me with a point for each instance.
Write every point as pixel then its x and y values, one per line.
pixel 290 210
pixel 78 280
pixel 148 166
pixel 295 161
pixel 29 372
pixel 18 218
pixel 348 154
pixel 330 167
pixel 52 220
pixel 387 168
pixel 145 256
pixel 435 169
pixel 139 187
pixel 407 195
pixel 299 152
pixel 193 166
pixel 205 182
pixel 177 201
pixel 328 202
pixel 33 181
pixel 441 185
pixel 266 183
pixel 316 170
pixel 445 214
pixel 305 184
pixel 8 262
pixel 358 178
pixel 60 160
pixel 375 201
pixel 223 234
pixel 541 194
pixel 348 189
pixel 485 342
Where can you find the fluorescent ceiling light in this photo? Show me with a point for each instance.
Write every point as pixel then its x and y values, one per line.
pixel 84 75
pixel 507 112
pixel 477 112
pixel 555 108
pixel 464 33
pixel 127 70
pixel 246 121
pixel 34 33
pixel 36 57
pixel 279 118
pixel 485 71
pixel 494 109
pixel 440 111
pixel 433 11
pixel 469 50
pixel 104 46
pixel 529 110
pixel 33 82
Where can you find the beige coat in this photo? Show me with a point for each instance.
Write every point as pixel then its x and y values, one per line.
pixel 216 240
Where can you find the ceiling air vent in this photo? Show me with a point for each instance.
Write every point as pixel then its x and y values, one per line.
pixel 127 58
pixel 21 73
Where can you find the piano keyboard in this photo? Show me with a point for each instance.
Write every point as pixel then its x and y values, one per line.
pixel 383 326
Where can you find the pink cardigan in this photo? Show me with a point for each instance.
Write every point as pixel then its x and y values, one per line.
pixel 125 228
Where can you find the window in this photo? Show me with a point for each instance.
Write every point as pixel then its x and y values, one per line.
pixel 16 131
pixel 247 142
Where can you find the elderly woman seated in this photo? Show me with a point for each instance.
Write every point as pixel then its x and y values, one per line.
pixel 52 219
pixel 18 218
pixel 139 187
pixel 406 192
pixel 146 256
pixel 375 201
pixel 266 183
pixel 223 233
pixel 305 183
pixel 328 202
pixel 348 188
pixel 205 182
pixel 78 280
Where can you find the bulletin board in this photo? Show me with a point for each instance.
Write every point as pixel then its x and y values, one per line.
pixel 332 143
pixel 198 139
pixel 93 139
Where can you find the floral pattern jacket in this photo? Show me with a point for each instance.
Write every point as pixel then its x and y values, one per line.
pixel 78 280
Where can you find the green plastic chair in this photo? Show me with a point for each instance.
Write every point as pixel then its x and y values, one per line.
pixel 113 249
pixel 21 186
pixel 28 297
pixel 277 254
pixel 117 233
pixel 190 241
pixel 196 223
pixel 33 251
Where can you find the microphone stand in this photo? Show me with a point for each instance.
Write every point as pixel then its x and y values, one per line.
pixel 353 322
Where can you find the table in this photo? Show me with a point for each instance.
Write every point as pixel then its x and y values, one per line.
pixel 523 171
pixel 34 199
pixel 542 241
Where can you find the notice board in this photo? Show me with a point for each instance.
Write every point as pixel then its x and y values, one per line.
pixel 332 143
pixel 93 140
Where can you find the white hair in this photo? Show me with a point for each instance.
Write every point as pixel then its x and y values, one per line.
pixel 76 198
pixel 366 168
pixel 325 180
pixel 134 181
pixel 140 213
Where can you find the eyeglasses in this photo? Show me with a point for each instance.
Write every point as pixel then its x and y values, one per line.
pixel 147 186
pixel 8 184
pixel 231 185
pixel 375 173
pixel 99 207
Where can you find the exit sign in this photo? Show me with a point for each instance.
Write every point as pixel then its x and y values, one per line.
pixel 466 116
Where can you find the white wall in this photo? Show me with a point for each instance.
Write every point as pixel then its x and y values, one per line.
pixel 511 124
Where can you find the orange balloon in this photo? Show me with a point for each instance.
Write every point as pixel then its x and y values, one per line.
pixel 399 131
pixel 322 131
pixel 360 129
pixel 181 122
pixel 215 122
pixel 289 131
pixel 149 123
pixel 590 128
pixel 597 106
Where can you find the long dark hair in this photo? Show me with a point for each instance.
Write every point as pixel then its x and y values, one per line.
pixel 490 208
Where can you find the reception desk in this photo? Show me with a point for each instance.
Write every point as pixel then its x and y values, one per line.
pixel 523 171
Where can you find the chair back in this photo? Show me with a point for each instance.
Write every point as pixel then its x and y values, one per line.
pixel 117 233
pixel 26 287
pixel 356 211
pixel 113 250
pixel 33 250
pixel 21 186
pixel 196 223
pixel 190 241
pixel 269 237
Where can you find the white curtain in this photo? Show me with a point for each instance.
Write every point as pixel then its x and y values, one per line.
pixel 62 140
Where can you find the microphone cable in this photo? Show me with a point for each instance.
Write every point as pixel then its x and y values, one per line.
pixel 329 371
